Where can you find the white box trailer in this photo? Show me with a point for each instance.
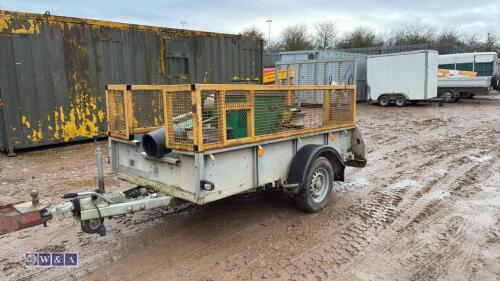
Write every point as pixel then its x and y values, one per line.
pixel 402 77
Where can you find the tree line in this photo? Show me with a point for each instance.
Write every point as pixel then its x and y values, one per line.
pixel 326 36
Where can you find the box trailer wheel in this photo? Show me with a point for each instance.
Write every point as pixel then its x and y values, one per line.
pixel 400 101
pixel 384 101
pixel 317 187
pixel 495 82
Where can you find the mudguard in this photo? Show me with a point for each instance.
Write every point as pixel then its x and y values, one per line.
pixel 306 156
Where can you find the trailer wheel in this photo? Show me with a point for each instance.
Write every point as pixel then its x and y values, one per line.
pixel 400 101
pixel 318 185
pixel 91 226
pixel 448 96
pixel 495 82
pixel 384 101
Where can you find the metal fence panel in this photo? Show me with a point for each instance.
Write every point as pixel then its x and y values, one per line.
pixel 318 72
pixel 446 48
pixel 333 55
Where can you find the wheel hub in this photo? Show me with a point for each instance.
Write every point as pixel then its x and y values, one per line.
pixel 319 185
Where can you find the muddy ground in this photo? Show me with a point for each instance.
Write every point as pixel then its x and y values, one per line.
pixel 426 207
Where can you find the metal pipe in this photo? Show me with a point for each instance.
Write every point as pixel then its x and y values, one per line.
pixel 100 171
pixel 153 143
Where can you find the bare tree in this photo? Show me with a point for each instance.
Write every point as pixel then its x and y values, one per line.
pixel 295 38
pixel 253 31
pixel 325 34
pixel 491 43
pixel 448 39
pixel 471 42
pixel 410 34
pixel 447 36
pixel 274 47
pixel 360 37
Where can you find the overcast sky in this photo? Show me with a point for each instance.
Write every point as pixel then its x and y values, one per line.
pixel 470 16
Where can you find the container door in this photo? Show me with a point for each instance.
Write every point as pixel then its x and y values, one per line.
pixel 177 61
pixel 113 57
pixel 8 94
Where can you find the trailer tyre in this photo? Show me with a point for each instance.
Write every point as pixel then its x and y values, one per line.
pixel 91 226
pixel 317 187
pixel 400 101
pixel 495 82
pixel 448 96
pixel 384 101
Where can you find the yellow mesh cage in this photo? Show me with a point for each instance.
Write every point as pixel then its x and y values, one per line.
pixel 210 116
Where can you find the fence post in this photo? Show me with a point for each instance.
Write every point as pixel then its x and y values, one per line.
pixel 327 102
pixel 129 111
pixel 251 114
pixel 197 118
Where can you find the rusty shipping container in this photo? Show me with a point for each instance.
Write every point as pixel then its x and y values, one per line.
pixel 53 70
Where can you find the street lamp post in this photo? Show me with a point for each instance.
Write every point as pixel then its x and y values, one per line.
pixel 183 23
pixel 269 21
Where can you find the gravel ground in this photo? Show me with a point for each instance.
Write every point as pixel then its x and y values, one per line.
pixel 426 207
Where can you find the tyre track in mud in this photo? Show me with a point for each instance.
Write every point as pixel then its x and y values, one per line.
pixel 428 260
pixel 375 215
pixel 382 211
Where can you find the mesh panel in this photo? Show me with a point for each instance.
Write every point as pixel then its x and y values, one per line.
pixel 341 108
pixel 334 72
pixel 236 98
pixel 147 107
pixel 179 117
pixel 237 104
pixel 116 111
pixel 270 109
pixel 211 104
